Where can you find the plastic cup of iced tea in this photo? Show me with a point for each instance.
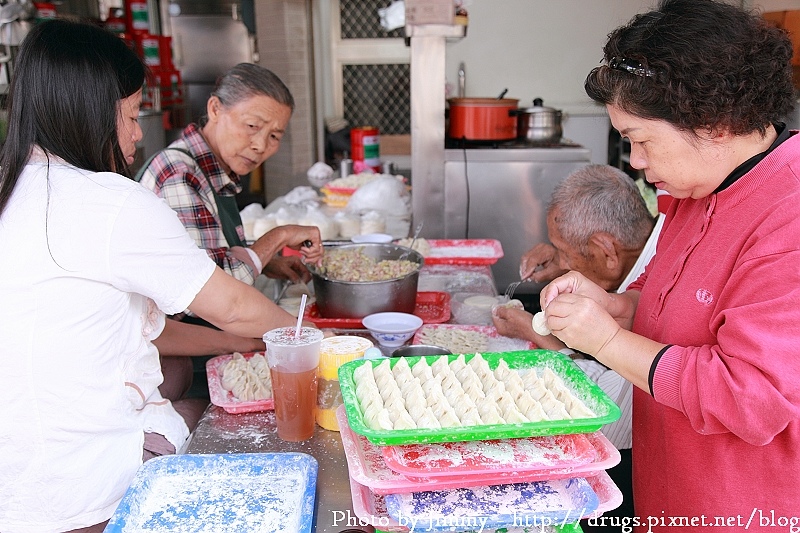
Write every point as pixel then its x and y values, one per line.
pixel 293 361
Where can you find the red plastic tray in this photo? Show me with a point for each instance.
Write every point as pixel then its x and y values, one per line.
pixel 370 507
pixel 432 308
pixel 224 398
pixel 489 456
pixel 464 252
pixel 339 190
pixel 367 466
pixel 496 342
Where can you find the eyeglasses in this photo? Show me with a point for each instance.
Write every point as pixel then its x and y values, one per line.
pixel 631 67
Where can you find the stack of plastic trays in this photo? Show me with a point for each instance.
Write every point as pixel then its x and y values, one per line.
pixel 535 476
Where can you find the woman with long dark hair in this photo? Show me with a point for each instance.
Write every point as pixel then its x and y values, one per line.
pixel 92 262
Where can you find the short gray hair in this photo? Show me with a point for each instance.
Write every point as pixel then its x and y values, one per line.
pixel 600 198
pixel 246 80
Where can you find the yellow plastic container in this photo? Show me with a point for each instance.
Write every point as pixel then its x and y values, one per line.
pixel 333 353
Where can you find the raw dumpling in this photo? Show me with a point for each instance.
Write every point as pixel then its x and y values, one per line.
pixel 441 365
pixel 428 420
pixel 379 420
pixel 248 380
pixel 404 421
pixel 363 374
pixel 419 367
pixel 540 324
pixel 502 371
pixel 383 369
pixel 458 363
pixel 448 419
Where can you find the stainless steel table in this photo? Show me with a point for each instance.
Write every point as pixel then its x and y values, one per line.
pixel 221 432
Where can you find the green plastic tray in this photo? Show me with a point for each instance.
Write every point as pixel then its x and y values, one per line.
pixel 574 378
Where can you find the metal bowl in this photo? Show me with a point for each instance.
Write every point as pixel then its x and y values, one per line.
pixel 420 349
pixel 357 299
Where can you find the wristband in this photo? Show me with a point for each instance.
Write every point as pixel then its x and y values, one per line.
pixel 256 261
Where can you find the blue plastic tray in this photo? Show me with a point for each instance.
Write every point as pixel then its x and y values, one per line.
pixel 265 492
pixel 535 504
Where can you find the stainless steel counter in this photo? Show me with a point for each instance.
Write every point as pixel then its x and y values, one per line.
pixel 221 432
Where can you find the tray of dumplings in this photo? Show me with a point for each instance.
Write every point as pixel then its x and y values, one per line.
pixel 452 398
pixel 240 383
pixel 460 338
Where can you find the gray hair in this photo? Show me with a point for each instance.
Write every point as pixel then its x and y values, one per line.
pixel 600 198
pixel 246 80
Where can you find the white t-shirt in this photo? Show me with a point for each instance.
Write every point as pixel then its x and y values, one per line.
pixel 91 261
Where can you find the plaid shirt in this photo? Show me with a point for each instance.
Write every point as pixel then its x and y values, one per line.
pixel 179 180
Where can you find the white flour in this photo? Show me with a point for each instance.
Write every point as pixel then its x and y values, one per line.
pixel 220 498
pixel 463 251
pixel 500 504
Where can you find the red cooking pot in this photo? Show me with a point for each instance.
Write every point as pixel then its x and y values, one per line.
pixel 483 119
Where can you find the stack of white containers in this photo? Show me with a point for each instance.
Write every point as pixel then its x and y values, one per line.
pixel 517 477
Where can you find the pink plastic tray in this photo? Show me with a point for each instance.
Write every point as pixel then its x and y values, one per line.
pixel 431 307
pixel 489 456
pixel 367 466
pixel 464 252
pixel 224 398
pixel 371 507
pixel 497 342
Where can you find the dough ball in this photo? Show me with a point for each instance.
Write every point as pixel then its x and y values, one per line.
pixel 540 324
pixel 513 304
pixel 480 301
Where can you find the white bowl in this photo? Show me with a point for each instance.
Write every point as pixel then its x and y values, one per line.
pixel 392 329
pixel 380 238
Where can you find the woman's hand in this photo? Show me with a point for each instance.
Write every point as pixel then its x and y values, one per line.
pixel 581 322
pixel 289 267
pixel 306 239
pixel 584 315
pixel 575 283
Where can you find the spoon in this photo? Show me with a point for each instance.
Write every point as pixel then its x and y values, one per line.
pixel 502 94
pixel 404 255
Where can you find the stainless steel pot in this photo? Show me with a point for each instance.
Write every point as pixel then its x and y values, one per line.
pixel 357 299
pixel 420 349
pixel 539 123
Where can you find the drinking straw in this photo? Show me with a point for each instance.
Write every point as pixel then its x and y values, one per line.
pixel 300 316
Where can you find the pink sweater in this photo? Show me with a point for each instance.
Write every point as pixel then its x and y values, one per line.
pixel 720 436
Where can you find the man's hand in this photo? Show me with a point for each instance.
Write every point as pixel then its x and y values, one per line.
pixel 540 264
pixel 517 323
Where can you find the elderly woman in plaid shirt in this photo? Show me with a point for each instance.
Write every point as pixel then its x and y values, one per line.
pixel 199 175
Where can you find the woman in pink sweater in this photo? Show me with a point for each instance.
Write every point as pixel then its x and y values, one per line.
pixel 710 333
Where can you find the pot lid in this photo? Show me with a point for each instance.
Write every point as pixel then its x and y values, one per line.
pixel 538 107
pixel 484 102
